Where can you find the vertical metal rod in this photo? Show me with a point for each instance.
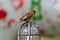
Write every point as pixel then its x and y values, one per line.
pixel 19 34
pixel 29 30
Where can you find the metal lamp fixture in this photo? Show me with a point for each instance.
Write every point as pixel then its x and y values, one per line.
pixel 28 30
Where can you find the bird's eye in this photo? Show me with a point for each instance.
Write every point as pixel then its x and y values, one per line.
pixel 34 11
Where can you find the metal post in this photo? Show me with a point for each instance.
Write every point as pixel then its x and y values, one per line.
pixel 29 30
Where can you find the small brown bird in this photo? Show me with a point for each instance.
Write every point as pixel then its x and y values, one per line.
pixel 28 16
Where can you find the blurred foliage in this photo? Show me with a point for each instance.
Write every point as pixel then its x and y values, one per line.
pixel 36 6
pixel 36 18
